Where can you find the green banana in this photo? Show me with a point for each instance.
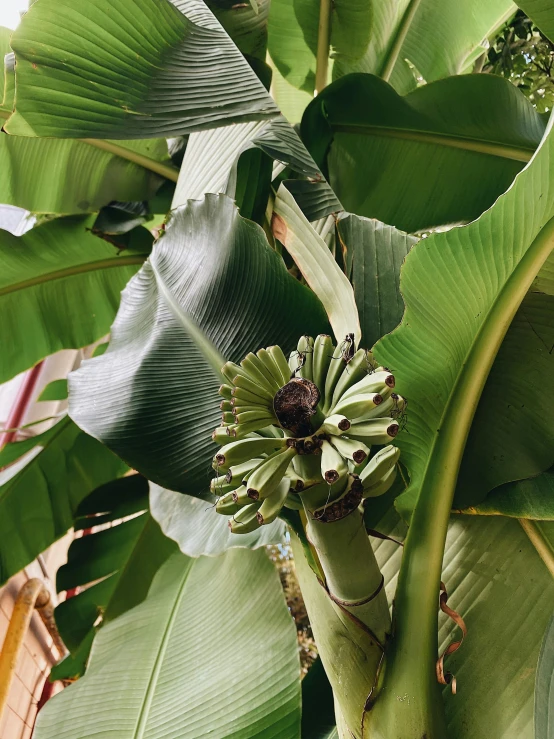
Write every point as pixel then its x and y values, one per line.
pixel 226 391
pixel 336 368
pixel 269 465
pixel 259 414
pixel 305 348
pixel 237 472
pixel 379 465
pixel 257 371
pixel 280 360
pixel 244 397
pixel 239 408
pixel 271 507
pixel 240 496
pixel 245 520
pixel 323 349
pixel 358 406
pixel 377 382
pixel 220 486
pixel 355 371
pixel 246 383
pixel 382 486
pixel 220 435
pixel 240 451
pixel 392 403
pixel 336 424
pixel 377 431
pixel 267 476
pixel 226 505
pixel 357 451
pixel 230 370
pixel 243 430
pixel 271 366
pixel 333 466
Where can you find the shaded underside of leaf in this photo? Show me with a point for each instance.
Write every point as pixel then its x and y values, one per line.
pixel 440 155
pixel 373 254
pixel 212 288
pixel 246 26
pixel 212 649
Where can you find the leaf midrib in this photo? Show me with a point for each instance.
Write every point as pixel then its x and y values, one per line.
pixel 481 146
pixel 77 269
pixel 153 680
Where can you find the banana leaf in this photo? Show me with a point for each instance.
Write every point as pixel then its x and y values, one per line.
pixel 213 645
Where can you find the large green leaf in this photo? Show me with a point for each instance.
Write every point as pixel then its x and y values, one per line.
pixel 39 500
pixel 212 288
pixel 475 278
pixel 293 36
pixel 199 530
pixel 189 75
pixel 61 283
pixel 441 154
pixel 492 574
pixel 429 39
pixel 64 176
pixel 373 254
pixel 544 690
pixel 50 176
pixel 211 651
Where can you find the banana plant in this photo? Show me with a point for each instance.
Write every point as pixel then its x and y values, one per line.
pixel 341 339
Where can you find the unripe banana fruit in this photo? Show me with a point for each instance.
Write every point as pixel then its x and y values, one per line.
pixel 298 431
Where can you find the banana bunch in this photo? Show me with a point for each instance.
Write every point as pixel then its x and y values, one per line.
pixel 299 433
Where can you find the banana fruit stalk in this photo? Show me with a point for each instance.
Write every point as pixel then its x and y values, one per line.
pixel 300 432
